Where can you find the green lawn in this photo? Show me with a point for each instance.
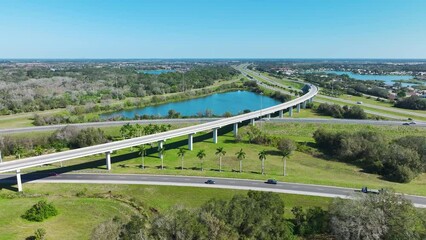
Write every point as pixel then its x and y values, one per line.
pixel 79 215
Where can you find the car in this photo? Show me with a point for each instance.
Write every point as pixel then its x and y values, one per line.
pixel 210 182
pixel 371 191
pixel 53 174
pixel 271 181
pixel 406 124
pixel 412 123
pixel 358 102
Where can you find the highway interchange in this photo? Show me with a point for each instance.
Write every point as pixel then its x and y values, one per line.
pixel 203 124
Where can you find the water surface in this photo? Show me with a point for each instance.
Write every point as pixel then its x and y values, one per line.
pixel 234 102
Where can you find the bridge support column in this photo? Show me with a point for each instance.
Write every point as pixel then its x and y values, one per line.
pixel 298 108
pixel 304 105
pixel 108 160
pixel 215 135
pixel 160 146
pixel 190 141
pixel 235 129
pixel 281 113
pixel 252 122
pixel 18 180
pixel 290 111
pixel 268 116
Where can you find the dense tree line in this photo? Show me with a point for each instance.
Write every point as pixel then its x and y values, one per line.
pixel 43 89
pixel 401 160
pixel 71 137
pixel 413 102
pixel 260 215
pixel 336 111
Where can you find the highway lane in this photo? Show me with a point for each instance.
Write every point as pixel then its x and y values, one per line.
pixel 228 183
pixel 202 120
pixel 106 124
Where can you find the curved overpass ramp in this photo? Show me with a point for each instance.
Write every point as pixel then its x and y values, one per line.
pixel 107 148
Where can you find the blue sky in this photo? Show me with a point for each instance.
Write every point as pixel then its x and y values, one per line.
pixel 212 29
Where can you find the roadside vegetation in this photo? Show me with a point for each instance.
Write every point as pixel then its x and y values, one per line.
pixel 165 212
pixel 85 208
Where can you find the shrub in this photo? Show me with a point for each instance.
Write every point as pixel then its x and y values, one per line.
pixel 40 211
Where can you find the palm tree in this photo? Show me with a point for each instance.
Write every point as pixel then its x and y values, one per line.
pixel 221 153
pixel 142 152
pixel 286 146
pixel 161 151
pixel 262 157
pixel 139 128
pixel 181 154
pixel 201 155
pixel 38 150
pixel 240 156
pixel 18 152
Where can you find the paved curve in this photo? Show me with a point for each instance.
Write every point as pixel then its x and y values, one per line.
pixel 229 183
pixel 202 120
pixel 112 146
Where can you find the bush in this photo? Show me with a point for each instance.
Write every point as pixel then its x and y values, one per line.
pixel 413 102
pixel 40 211
pixel 401 161
pixel 336 111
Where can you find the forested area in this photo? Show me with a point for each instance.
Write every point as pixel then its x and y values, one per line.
pixel 260 215
pixel 336 111
pixel 400 160
pixel 41 88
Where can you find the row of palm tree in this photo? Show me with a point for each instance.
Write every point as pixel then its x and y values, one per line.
pixel 241 155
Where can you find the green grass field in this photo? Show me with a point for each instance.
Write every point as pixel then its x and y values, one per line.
pixel 79 215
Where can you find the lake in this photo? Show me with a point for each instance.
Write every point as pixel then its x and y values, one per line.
pixel 388 79
pixel 234 102
pixel 155 71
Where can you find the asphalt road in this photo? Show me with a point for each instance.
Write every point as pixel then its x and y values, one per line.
pixel 227 183
pixel 203 120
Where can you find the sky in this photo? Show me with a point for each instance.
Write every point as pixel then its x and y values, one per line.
pixel 212 29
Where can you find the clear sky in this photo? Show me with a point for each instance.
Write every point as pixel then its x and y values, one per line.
pixel 213 29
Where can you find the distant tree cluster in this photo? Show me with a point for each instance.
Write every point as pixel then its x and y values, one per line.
pixel 401 160
pixel 43 89
pixel 413 102
pixel 336 111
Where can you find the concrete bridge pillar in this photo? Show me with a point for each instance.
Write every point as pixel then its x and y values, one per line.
pixel 252 122
pixel 160 146
pixel 290 111
pixel 268 116
pixel 215 135
pixel 298 108
pixel 304 105
pixel 235 129
pixel 190 141
pixel 18 180
pixel 281 113
pixel 108 160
